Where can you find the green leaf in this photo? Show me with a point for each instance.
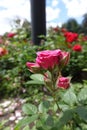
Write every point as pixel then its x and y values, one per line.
pixel 35 82
pixel 7 128
pixel 63 106
pixel 82 94
pixel 43 106
pixel 38 77
pixel 29 109
pixel 25 121
pixel 55 107
pixel 82 112
pixel 66 117
pixel 50 121
pixel 70 97
pixel 42 119
pixel 85 69
pixel 26 128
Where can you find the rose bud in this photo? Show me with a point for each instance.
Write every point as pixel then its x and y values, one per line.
pixel 63 82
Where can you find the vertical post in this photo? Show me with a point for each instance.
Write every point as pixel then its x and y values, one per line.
pixel 38 20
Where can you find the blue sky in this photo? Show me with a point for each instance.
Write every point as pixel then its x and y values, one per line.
pixel 57 12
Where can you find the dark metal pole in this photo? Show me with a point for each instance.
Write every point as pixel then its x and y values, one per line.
pixel 38 20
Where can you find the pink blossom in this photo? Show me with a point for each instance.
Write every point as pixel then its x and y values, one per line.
pixel 49 58
pixel 63 82
pixel 33 67
pixel 11 34
pixel 3 51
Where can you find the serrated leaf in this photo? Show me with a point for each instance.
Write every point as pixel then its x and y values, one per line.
pixel 50 121
pixel 67 116
pixel 43 106
pixel 38 77
pixel 70 97
pixel 26 128
pixel 43 118
pixel 81 93
pixel 64 107
pixel 25 121
pixel 29 109
pixel 7 128
pixel 55 107
pixel 35 82
pixel 82 112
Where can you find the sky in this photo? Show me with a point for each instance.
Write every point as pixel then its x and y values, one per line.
pixel 57 12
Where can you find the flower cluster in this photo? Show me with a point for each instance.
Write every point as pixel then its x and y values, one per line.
pixel 71 37
pixel 51 61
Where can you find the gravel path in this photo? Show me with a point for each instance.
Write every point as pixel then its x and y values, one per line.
pixel 10 112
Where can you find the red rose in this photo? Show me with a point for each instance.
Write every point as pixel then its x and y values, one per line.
pixel 77 47
pixel 70 37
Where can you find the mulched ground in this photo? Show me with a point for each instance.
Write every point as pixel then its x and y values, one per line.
pixel 10 112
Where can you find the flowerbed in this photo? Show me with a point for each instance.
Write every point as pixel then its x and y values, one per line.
pixel 53 101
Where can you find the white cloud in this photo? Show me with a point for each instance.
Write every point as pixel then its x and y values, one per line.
pixel 53 24
pixel 55 3
pixel 52 13
pixel 21 9
pixel 12 9
pixel 76 8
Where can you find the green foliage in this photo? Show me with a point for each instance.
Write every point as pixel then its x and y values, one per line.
pixel 29 109
pixel 72 25
pixel 65 109
pixel 78 60
pixel 36 79
pixel 13 71
pixel 68 113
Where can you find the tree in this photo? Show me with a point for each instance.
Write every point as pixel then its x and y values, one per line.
pixel 84 24
pixel 21 26
pixel 72 25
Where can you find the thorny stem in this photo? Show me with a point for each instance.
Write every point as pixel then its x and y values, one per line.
pixel 55 100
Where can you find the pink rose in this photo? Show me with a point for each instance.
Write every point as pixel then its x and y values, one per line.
pixel 49 58
pixel 63 82
pixel 11 34
pixel 3 51
pixel 33 67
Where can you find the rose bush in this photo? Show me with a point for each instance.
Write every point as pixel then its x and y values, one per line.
pixel 70 37
pixel 51 60
pixel 75 43
pixel 52 101
pixel 49 64
pixel 60 105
